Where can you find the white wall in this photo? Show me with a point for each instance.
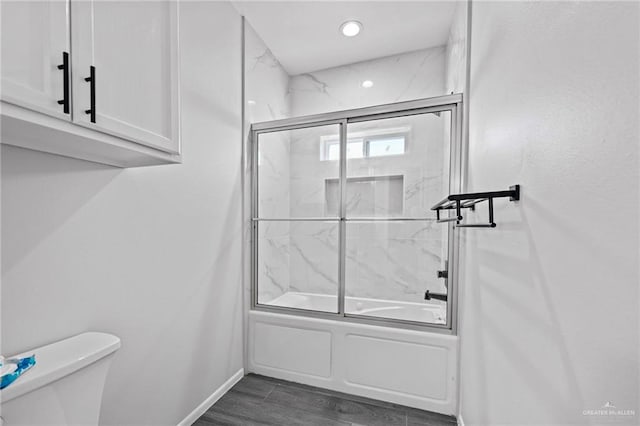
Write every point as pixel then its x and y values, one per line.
pixel 549 315
pixel 152 255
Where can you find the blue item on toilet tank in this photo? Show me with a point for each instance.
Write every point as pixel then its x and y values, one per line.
pixel 22 365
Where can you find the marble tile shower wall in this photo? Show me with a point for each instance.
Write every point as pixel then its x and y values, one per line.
pixel 404 77
pixel 395 261
pixel 266 86
pixel 456 51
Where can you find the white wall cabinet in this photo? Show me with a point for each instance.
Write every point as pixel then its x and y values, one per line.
pixel 34 37
pixel 123 82
pixel 133 46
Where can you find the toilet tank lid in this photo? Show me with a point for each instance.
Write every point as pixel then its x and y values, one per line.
pixel 60 359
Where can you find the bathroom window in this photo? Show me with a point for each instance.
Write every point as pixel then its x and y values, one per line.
pixel 381 143
pixel 386 145
pixel 332 149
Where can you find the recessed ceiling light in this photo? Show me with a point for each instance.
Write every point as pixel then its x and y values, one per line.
pixel 367 83
pixel 351 28
pixel 251 102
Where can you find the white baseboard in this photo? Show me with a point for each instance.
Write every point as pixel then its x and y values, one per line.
pixel 460 421
pixel 212 399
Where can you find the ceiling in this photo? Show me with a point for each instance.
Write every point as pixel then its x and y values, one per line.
pixel 305 35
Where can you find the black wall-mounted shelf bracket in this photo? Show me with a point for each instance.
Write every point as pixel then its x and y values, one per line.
pixel 458 202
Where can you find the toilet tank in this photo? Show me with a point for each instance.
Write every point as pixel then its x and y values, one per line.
pixel 65 386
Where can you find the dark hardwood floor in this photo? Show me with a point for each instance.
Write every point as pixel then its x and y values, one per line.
pixel 259 400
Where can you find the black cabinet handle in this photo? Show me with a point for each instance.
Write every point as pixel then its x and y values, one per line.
pixel 92 80
pixel 65 82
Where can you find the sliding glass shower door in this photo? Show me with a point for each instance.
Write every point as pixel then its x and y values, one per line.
pixel 342 225
pixel 297 239
pixel 394 248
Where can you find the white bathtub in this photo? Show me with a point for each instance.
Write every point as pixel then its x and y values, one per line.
pixel 433 312
pixel 409 367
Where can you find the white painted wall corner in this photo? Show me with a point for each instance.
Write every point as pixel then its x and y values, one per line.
pixel 460 420
pixel 212 399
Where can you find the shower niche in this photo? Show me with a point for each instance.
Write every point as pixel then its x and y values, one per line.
pixel 369 195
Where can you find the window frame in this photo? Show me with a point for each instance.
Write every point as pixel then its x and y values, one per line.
pixel 366 137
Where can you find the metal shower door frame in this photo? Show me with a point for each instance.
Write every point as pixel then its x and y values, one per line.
pixel 448 103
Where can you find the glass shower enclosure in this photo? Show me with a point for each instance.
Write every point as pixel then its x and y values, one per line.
pixel 341 219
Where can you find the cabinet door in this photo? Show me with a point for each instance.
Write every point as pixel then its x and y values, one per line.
pixel 133 47
pixel 34 36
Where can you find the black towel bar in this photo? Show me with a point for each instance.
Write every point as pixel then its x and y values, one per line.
pixel 469 201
